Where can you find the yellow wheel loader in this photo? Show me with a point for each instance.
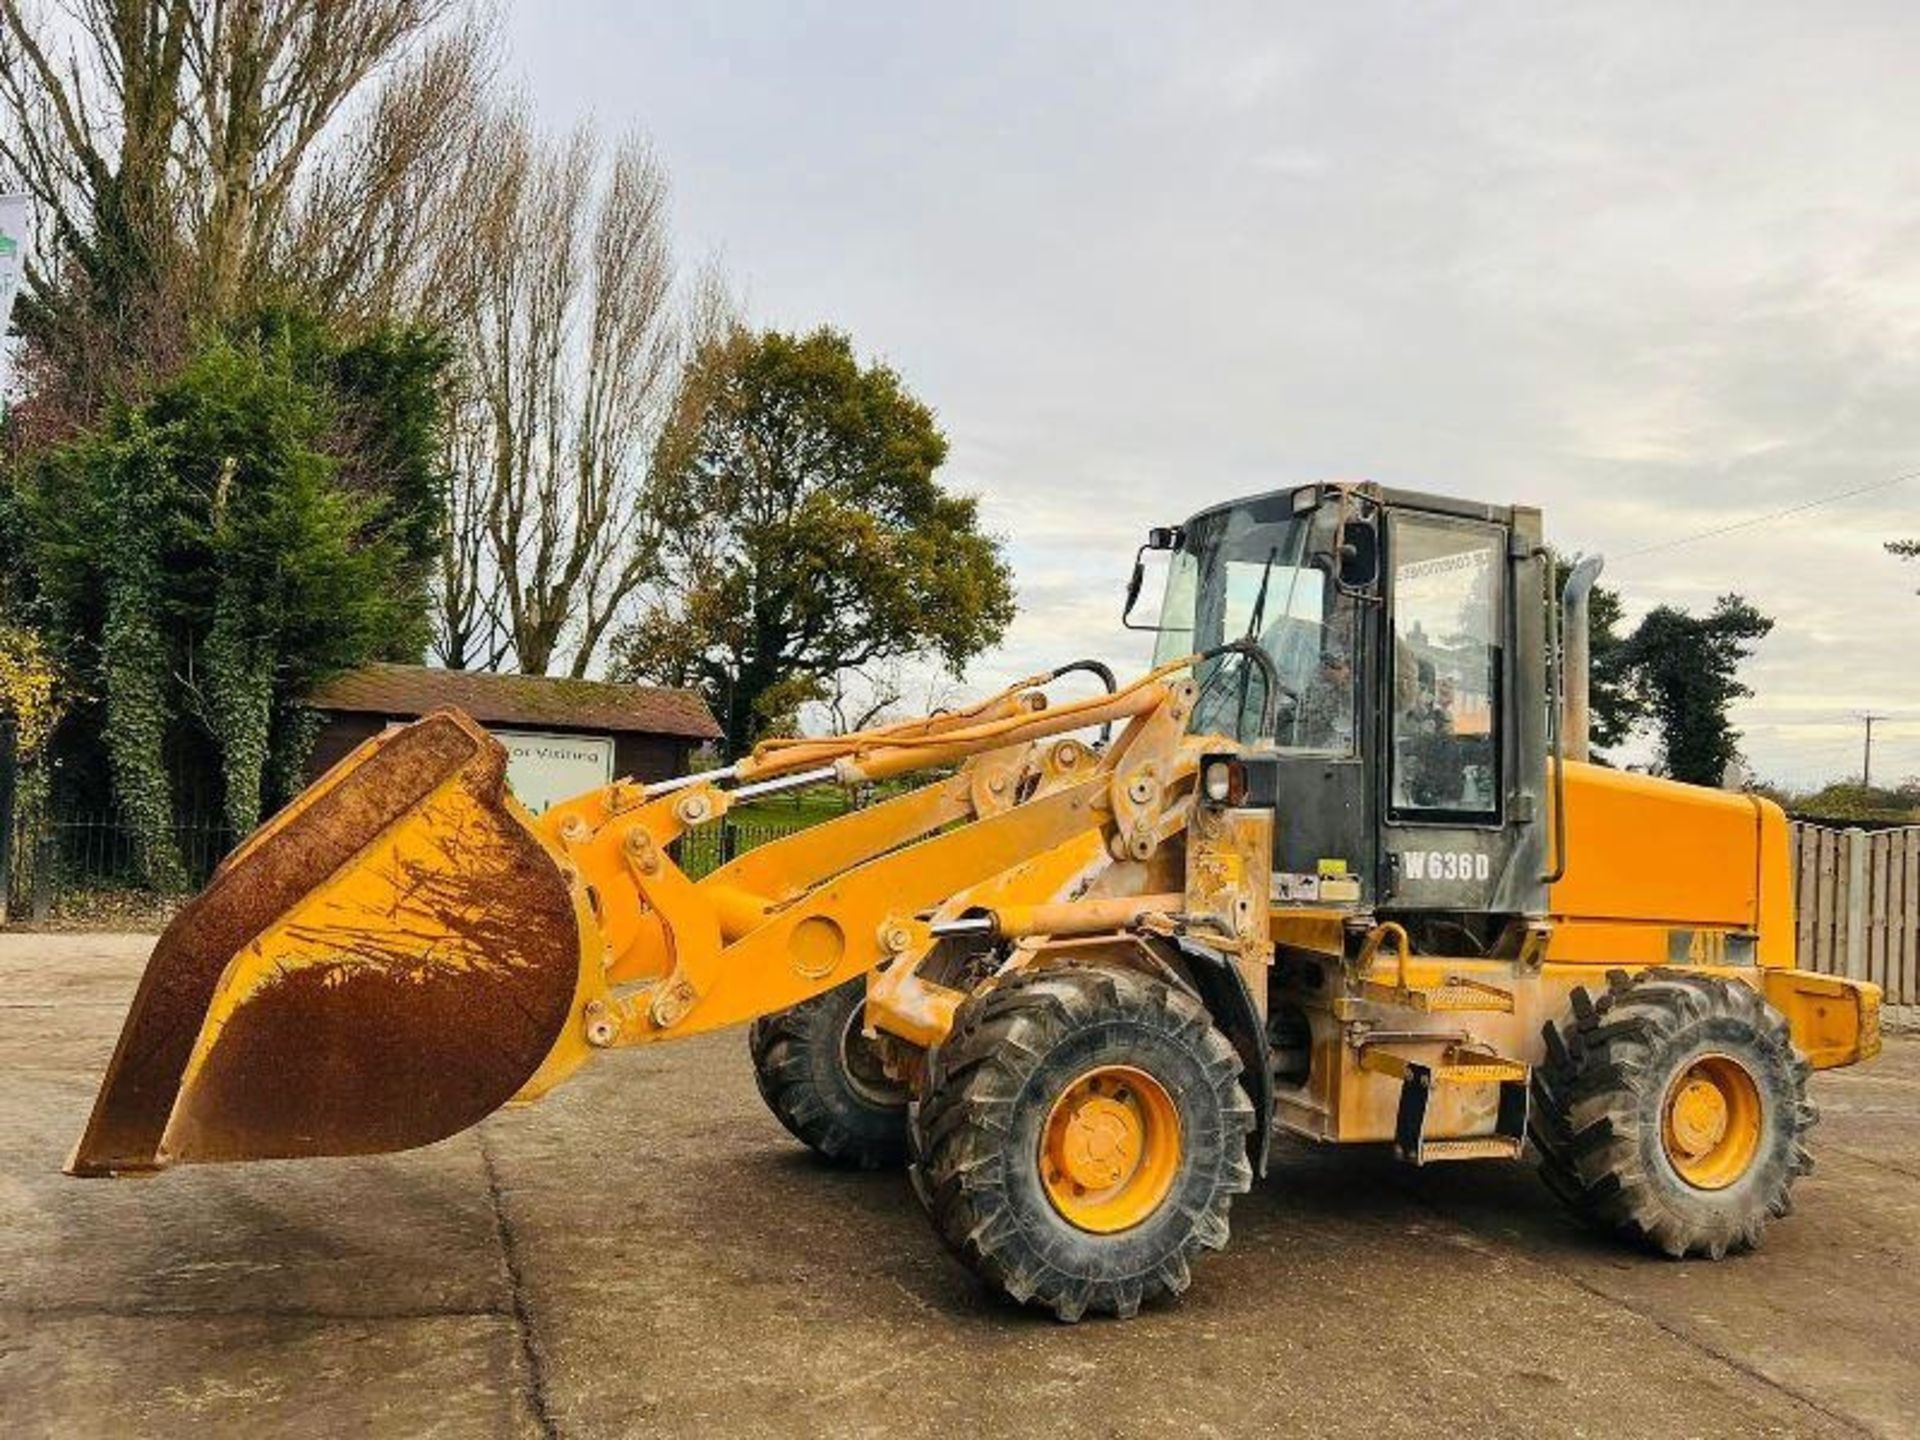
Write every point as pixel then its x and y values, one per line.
pixel 1336 867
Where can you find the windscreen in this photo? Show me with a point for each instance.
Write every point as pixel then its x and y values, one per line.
pixel 1250 572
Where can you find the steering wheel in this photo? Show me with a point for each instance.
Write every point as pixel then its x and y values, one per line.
pixel 1221 707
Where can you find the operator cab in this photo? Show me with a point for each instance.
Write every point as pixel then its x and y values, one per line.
pixel 1407 639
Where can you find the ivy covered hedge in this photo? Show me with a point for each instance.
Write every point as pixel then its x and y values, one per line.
pixel 267 517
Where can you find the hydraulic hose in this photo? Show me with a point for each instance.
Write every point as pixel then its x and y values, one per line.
pixel 1104 673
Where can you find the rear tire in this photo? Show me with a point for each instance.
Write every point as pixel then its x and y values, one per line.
pixel 822 1079
pixel 1068 1075
pixel 1673 1110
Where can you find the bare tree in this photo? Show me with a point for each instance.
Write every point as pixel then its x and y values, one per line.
pixel 469 632
pixel 569 353
pixel 267 78
pixel 856 699
pixel 378 203
pixel 185 155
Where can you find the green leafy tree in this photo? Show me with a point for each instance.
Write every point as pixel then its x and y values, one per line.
pixel 1905 549
pixel 806 534
pixel 1850 800
pixel 206 557
pixel 1686 668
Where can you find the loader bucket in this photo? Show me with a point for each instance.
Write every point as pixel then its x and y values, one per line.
pixel 387 961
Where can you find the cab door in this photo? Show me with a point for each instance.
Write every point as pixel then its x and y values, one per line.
pixel 1443 679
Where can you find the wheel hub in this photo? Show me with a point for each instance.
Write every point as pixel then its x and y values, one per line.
pixel 1699 1116
pixel 860 1064
pixel 1711 1122
pixel 1102 1141
pixel 1110 1149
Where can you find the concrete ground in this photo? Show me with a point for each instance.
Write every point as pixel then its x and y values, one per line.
pixel 648 1252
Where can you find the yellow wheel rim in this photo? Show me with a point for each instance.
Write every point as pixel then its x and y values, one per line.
pixel 1110 1149
pixel 1710 1123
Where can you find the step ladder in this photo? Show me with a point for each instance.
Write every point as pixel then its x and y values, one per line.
pixel 1458 1064
pixel 1452 994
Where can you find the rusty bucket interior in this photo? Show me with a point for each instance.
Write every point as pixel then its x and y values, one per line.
pixel 383 964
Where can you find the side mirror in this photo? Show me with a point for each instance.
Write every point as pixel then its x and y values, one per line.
pixel 1359 558
pixel 1134 582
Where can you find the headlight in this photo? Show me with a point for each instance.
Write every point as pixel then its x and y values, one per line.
pixel 1218 781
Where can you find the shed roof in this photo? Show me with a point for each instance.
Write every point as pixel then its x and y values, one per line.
pixel 540 701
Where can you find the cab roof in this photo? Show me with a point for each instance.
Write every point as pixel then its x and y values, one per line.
pixel 1392 499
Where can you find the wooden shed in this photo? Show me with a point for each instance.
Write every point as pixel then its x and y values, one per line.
pixel 562 736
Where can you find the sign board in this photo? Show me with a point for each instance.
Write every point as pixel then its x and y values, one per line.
pixel 543 768
pixel 14 220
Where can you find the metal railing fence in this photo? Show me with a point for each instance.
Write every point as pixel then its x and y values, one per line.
pixel 59 855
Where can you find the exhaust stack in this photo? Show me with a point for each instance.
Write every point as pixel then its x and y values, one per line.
pixel 1575 652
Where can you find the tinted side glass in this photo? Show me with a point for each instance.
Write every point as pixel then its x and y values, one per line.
pixel 1446 669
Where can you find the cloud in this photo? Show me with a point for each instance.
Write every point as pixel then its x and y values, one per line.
pixel 1654 268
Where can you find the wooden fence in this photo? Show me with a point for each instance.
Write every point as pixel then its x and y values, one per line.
pixel 1856 900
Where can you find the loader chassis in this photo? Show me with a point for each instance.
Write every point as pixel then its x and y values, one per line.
pixel 1335 875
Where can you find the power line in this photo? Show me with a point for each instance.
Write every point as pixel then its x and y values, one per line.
pixel 1750 522
pixel 1881 731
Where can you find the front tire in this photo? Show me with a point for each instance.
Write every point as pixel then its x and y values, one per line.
pixel 1674 1111
pixel 821 1077
pixel 1082 1135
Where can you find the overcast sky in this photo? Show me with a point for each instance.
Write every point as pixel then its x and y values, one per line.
pixel 1653 268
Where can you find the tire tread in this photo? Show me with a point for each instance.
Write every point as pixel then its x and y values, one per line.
pixel 958 1130
pixel 1589 1105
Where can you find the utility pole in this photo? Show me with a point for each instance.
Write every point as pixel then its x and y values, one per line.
pixel 1866 759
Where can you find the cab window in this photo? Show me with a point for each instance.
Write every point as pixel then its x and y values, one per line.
pixel 1260 572
pixel 1445 701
